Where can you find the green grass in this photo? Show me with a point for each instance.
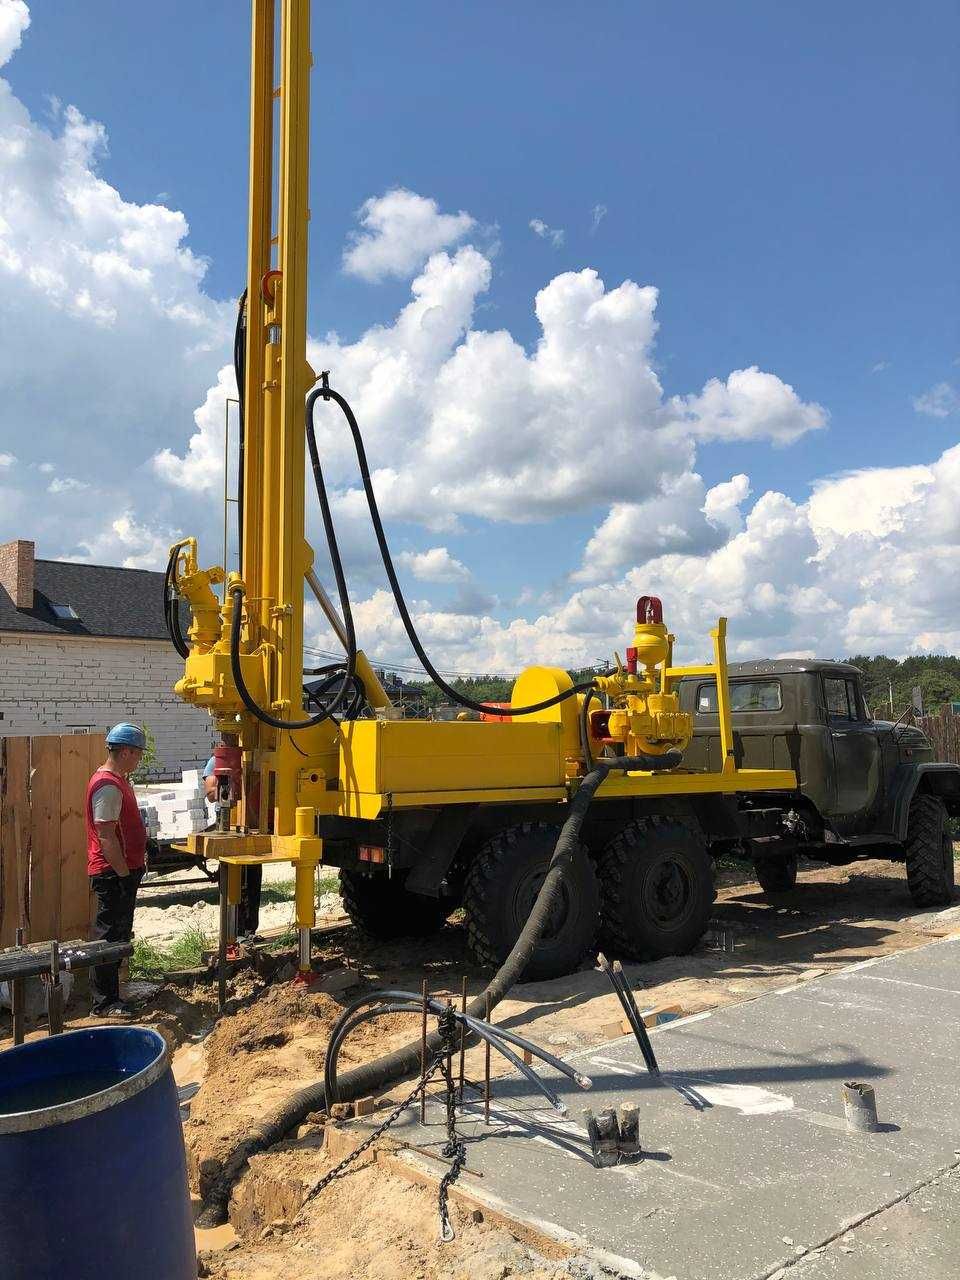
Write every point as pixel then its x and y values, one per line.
pixel 151 961
pixel 282 890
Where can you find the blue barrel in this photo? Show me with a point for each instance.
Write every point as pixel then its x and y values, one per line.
pixel 93 1174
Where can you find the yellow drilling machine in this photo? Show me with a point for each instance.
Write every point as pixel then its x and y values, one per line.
pixel 421 817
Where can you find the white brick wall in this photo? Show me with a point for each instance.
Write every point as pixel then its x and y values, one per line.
pixel 55 684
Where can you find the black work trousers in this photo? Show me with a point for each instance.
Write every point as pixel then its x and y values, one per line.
pixel 116 899
pixel 248 908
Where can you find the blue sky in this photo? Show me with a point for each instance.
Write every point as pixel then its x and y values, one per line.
pixel 784 175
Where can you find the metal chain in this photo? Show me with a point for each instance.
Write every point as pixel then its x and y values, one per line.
pixel 449 1178
pixel 368 1142
pixel 453 1149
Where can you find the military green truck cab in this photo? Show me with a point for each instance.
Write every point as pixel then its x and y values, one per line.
pixel 867 788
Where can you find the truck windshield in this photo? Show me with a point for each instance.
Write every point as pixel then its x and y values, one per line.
pixel 745 695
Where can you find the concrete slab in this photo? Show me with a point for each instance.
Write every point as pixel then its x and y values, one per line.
pixel 748 1164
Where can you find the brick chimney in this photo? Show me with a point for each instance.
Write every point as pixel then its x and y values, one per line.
pixel 16 572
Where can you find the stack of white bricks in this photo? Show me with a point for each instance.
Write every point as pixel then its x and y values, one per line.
pixel 181 807
pixel 151 819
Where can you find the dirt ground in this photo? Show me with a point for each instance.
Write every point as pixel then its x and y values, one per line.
pixel 374 1225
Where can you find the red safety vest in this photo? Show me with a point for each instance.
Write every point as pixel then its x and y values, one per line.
pixel 130 829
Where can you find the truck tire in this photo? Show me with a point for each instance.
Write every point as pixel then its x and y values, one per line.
pixel 777 875
pixel 929 849
pixel 380 906
pixel 501 887
pixel 656 885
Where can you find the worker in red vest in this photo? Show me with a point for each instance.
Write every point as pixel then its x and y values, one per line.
pixel 116 854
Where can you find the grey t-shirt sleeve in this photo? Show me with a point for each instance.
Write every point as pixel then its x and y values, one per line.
pixel 106 803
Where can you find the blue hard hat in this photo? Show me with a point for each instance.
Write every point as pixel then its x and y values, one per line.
pixel 127 735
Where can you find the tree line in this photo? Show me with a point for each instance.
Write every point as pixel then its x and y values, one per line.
pixel 936 675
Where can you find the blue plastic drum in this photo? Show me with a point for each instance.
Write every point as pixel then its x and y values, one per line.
pixel 93 1175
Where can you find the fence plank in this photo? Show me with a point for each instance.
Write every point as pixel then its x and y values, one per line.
pixel 44 908
pixel 14 836
pixel 943 730
pixel 75 772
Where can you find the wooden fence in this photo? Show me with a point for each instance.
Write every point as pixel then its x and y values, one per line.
pixel 43 842
pixel 943 730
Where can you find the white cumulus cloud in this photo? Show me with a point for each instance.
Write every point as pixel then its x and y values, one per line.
pixel 434 565
pixel 798 578
pixel 109 339
pixel 400 231
pixel 14 20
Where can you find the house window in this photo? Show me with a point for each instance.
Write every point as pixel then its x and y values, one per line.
pixel 65 612
pixel 745 695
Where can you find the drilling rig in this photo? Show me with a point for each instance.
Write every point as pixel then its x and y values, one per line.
pixel 419 816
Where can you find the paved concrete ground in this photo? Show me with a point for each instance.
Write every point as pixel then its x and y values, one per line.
pixel 748 1166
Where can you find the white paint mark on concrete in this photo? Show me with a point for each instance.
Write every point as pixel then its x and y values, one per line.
pixel 748 1099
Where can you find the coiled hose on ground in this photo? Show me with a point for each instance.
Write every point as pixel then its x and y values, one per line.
pixel 374 1076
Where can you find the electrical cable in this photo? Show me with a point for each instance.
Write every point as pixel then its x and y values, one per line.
pixel 371 1077
pixel 327 393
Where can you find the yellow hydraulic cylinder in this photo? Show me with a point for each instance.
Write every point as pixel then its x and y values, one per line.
pixel 305 870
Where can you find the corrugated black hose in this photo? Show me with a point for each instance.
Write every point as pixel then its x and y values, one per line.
pixel 374 1076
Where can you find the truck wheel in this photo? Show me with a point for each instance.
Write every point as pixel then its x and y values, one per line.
pixel 380 906
pixel 929 847
pixel 777 875
pixel 656 884
pixel 501 887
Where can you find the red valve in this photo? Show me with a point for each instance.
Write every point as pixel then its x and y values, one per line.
pixel 267 292
pixel 649 609
pixel 632 661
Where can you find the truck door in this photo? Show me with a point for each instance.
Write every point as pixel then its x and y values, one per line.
pixel 856 754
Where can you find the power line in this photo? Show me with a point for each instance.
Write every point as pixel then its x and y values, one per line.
pixel 390 665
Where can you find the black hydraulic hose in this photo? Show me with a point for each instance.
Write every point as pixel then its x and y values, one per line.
pixel 585 728
pixel 327 393
pixel 413 1003
pixel 236 670
pixel 372 1076
pixel 345 1024
pixel 237 595
pixel 171 606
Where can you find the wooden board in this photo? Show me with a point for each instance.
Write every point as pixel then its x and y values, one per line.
pixel 14 835
pixel 75 773
pixel 44 907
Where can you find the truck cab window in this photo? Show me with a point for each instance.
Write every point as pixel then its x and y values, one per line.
pixel 745 695
pixel 841 699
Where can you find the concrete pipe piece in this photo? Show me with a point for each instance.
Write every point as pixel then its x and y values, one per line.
pixel 860 1107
